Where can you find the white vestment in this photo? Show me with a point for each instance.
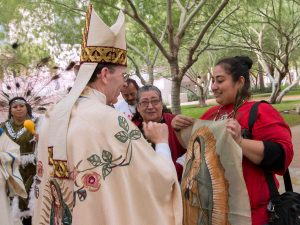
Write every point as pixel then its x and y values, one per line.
pixel 113 175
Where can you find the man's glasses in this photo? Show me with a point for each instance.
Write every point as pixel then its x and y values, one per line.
pixel 153 102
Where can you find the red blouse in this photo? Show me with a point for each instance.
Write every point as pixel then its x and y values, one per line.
pixel 269 126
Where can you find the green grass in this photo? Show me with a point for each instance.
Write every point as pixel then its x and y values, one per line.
pixel 193 110
pixel 291 119
pixel 286 105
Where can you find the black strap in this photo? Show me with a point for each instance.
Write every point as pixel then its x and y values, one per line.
pixel 253 114
pixel 272 186
pixel 269 176
pixel 287 181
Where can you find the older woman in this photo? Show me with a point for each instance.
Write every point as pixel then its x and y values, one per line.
pixel 150 108
pixel 269 150
pixel 19 111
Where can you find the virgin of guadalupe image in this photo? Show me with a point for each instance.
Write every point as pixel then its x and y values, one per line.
pixel 204 187
pixel 200 206
pixel 60 213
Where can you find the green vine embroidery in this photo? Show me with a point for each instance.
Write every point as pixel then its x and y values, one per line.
pixel 106 160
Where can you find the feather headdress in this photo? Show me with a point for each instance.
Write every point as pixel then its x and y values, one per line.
pixel 41 86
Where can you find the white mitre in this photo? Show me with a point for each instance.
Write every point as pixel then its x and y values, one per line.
pixel 100 44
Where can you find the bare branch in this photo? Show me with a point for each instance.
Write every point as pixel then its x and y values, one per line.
pixel 194 47
pixel 183 13
pixel 157 49
pixel 173 49
pixel 135 16
pixel 140 53
pixel 189 19
pixel 137 70
pixel 221 21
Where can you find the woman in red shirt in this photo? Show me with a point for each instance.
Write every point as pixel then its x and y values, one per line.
pixel 270 148
pixel 151 108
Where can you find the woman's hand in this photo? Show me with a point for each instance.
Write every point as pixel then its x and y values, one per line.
pixel 156 132
pixel 234 128
pixel 252 149
pixel 180 121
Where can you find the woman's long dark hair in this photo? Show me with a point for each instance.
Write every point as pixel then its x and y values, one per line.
pixel 236 67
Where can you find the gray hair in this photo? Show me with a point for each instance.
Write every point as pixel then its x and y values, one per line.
pixel 146 88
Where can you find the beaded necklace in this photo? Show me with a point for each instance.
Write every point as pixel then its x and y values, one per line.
pixel 224 116
pixel 227 115
pixel 11 131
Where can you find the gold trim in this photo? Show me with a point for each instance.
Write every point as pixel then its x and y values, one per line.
pixel 104 55
pixel 60 168
pixel 87 25
pixel 50 156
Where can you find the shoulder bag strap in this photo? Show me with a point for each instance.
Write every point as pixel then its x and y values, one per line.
pixel 269 176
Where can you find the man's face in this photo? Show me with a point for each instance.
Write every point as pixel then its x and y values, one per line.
pixel 116 79
pixel 129 94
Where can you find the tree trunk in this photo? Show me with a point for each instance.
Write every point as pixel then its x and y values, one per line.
pixel 276 88
pixel 202 97
pixel 175 96
pixel 151 74
pixel 261 78
pixel 287 89
pixel 275 91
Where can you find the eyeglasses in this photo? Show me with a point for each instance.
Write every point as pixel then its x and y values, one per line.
pixel 153 102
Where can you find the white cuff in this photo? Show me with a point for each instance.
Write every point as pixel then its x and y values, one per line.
pixel 181 159
pixel 163 149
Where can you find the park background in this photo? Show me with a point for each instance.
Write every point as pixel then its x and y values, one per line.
pixel 172 44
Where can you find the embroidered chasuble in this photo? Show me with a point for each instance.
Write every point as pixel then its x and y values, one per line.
pixel 213 187
pixel 112 176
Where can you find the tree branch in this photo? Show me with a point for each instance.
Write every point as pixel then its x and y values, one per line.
pixel 140 53
pixel 135 16
pixel 205 28
pixel 185 24
pixel 137 70
pixel 183 13
pixel 173 49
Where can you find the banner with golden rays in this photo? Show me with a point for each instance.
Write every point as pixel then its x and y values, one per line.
pixel 213 187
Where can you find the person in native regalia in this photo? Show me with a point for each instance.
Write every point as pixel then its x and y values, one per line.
pixel 94 165
pixel 19 111
pixel 11 183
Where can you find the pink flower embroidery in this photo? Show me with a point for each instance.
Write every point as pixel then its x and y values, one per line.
pixel 39 169
pixel 91 181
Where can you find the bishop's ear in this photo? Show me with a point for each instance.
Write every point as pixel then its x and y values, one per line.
pixel 103 74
